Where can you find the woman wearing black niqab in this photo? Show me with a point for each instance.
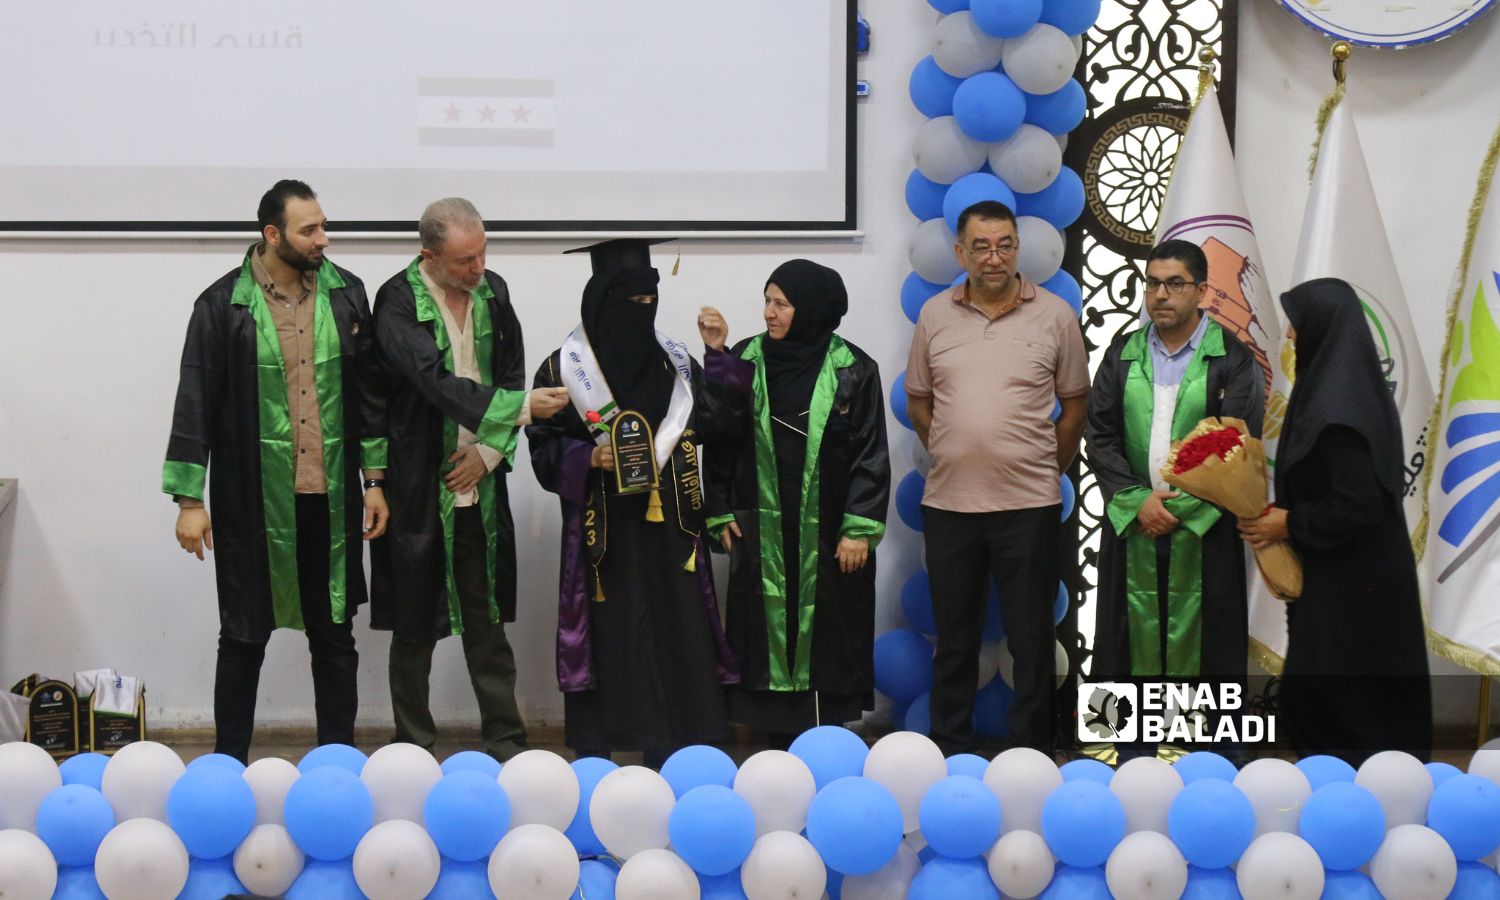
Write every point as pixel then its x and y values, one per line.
pixel 1355 681
pixel 800 506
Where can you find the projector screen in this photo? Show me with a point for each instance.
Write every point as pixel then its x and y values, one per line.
pixel 551 115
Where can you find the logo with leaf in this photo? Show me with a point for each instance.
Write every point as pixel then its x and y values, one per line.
pixel 1108 713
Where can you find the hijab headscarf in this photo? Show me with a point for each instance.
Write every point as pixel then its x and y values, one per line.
pixel 793 362
pixel 1339 382
pixel 622 334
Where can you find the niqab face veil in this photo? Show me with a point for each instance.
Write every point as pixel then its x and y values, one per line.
pixel 622 334
pixel 819 301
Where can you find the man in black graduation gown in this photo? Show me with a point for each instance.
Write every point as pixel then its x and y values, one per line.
pixel 451 344
pixel 278 387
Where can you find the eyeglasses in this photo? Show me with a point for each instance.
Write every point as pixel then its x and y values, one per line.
pixel 1175 286
pixel 1002 250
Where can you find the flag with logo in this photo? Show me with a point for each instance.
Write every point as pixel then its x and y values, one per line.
pixel 1463 494
pixel 1204 205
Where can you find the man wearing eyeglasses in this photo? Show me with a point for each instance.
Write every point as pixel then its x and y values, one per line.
pixel 1171 602
pixel 988 360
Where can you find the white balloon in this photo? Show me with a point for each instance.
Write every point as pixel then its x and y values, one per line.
pixel 630 809
pixel 782 866
pixel 534 862
pixel 1414 863
pixel 1280 866
pixel 921 460
pixel 1486 761
pixel 961 48
pixel 1146 787
pixel 889 882
pixel 138 778
pixel 1006 664
pixel 1401 783
pixel 269 780
pixel 1040 61
pixel 541 787
pixel 396 860
pixel 656 875
pixel 268 860
pixel 989 661
pixel 931 252
pixel 1041 248
pixel 1022 779
pixel 906 764
pixel 1028 160
pixel 1277 790
pixel 1146 865
pixel 1021 864
pixel 27 869
pixel 399 777
pixel 944 154
pixel 1060 664
pixel 779 788
pixel 27 776
pixel 141 859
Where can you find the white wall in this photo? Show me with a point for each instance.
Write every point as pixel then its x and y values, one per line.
pixel 90 334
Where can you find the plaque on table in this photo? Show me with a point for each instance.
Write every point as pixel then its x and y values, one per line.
pixel 112 730
pixel 634 452
pixel 52 722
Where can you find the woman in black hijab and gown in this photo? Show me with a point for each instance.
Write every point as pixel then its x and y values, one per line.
pixel 799 503
pixel 1355 680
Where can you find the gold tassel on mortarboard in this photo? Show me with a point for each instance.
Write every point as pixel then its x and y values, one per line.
pixel 692 564
pixel 598 587
pixel 653 508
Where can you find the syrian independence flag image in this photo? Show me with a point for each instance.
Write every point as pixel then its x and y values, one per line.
pixel 485 112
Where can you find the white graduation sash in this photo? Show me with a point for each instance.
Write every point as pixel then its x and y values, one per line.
pixel 584 379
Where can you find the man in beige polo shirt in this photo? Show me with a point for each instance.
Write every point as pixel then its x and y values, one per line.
pixel 987 360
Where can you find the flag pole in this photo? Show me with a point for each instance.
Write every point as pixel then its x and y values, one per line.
pixel 1340 51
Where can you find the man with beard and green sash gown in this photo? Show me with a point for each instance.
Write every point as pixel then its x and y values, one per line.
pixel 1172 591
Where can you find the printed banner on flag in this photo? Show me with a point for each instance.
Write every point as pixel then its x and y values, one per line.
pixel 485 112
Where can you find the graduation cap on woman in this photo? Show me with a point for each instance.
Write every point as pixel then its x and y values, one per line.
pixel 619 254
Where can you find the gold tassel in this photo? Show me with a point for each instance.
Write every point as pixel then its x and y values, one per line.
pixel 653 508
pixel 692 564
pixel 598 587
pixel 677 264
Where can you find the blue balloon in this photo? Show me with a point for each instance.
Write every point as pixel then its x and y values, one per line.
pixel 212 809
pixel 898 399
pixel 1079 883
pixel 971 189
pixel 989 107
pixel 992 709
pixel 341 755
pixel 1058 112
pixel 949 6
pixel 712 829
pixel 71 821
pixel 1210 884
pixel 945 879
pixel 1069 496
pixel 1465 810
pixel 834 886
pixel 721 887
pixel 1202 764
pixel 1066 286
pixel 916 290
pixel 831 752
pixel 917 717
pixel 903 664
pixel 855 824
pixel 1088 769
pixel 927 855
pixel 85 768
pixel 932 89
pixel 924 197
pixel 466 815
pixel 466 880
pixel 1344 823
pixel 1056 410
pixel 909 499
pixel 596 880
pixel 1321 770
pixel 968 764
pixel 698 765
pixel 590 771
pixel 1441 772
pixel 916 602
pixel 960 817
pixel 1082 822
pixel 1476 881
pixel 1351 886
pixel 1212 822
pixel 994 622
pixel 1060 608
pixel 325 880
pixel 211 879
pixel 1006 18
pixel 327 811
pixel 1071 17
pixel 77 883
pixel 217 759
pixel 472 761
pixel 899 711
pixel 1059 203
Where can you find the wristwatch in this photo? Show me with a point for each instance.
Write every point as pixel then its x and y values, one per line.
pixel 374 483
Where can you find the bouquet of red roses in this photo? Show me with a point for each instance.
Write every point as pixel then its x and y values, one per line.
pixel 1220 462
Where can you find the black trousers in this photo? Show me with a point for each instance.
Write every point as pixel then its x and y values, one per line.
pixel 335 661
pixel 1019 549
